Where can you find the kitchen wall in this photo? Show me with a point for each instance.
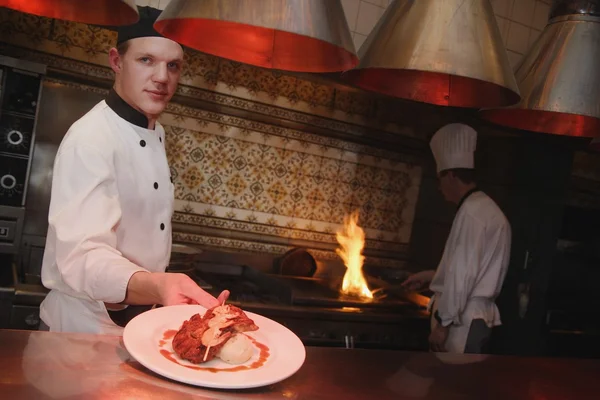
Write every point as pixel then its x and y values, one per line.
pixel 261 161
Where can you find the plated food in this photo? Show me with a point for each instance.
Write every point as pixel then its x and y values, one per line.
pixel 276 352
pixel 219 333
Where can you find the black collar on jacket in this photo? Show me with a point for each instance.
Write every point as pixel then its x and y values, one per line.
pixel 125 111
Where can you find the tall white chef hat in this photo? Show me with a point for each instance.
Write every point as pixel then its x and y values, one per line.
pixel 453 146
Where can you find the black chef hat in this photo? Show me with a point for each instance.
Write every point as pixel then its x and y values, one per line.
pixel 142 28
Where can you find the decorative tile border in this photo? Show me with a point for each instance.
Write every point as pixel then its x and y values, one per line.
pixel 78 86
pixel 255 247
pixel 271 228
pixel 194 118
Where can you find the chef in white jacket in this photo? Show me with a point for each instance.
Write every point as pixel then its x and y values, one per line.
pixel 470 274
pixel 109 234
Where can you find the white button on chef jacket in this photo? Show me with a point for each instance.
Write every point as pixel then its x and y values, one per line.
pixel 110 216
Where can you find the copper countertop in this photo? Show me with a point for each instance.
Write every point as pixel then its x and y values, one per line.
pixel 44 365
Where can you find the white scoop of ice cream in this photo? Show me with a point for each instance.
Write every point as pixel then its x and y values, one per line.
pixel 237 350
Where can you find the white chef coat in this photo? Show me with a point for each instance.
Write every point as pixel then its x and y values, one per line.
pixel 110 216
pixel 472 269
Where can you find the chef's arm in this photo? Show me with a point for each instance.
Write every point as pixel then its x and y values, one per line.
pixel 464 266
pixel 84 211
pixel 142 289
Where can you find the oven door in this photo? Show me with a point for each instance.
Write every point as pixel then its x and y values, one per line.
pixel 25 310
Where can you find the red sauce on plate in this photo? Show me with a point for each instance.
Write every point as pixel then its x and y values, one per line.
pixel 262 358
pixel 169 334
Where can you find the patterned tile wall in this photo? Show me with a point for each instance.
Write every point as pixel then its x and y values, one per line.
pixel 248 185
pixel 223 169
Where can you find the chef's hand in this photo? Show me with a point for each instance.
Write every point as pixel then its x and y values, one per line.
pixel 177 289
pixel 437 338
pixel 419 280
pixel 168 289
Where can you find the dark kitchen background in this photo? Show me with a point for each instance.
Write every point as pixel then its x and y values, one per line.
pixel 266 162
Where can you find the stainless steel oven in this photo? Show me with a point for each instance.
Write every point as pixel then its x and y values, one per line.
pixel 61 105
pixel 20 93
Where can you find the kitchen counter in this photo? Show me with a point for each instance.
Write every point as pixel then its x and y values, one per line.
pixel 45 365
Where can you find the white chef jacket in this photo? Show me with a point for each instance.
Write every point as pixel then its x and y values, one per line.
pixel 110 216
pixel 472 269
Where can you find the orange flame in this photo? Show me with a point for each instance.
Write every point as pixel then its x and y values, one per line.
pixel 352 241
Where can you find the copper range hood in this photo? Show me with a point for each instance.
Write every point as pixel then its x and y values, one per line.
pixel 559 77
pixel 96 12
pixel 290 35
pixel 447 53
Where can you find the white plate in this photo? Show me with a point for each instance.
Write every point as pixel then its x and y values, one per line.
pixel 143 334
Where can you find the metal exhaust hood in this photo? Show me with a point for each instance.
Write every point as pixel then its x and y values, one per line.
pixel 288 35
pixel 559 77
pixel 96 12
pixel 443 52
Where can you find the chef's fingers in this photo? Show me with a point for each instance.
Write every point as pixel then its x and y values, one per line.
pixel 223 297
pixel 203 298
